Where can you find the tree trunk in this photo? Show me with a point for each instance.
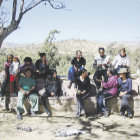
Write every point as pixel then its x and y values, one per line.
pixel 4 32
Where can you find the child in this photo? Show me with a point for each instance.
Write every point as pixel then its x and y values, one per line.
pixel 14 69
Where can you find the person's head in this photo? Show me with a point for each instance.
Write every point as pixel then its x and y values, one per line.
pixel 78 54
pixel 123 73
pixel 123 52
pixel 110 72
pixel 10 58
pixel 102 52
pixel 28 73
pixel 83 73
pixel 53 73
pixel 28 60
pixel 15 59
pixel 42 56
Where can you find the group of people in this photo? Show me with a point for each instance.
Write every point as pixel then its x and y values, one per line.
pixel 111 79
pixel 30 81
pixel 33 80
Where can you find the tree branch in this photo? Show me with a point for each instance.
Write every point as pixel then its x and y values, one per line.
pixel 1 2
pixel 56 4
pixel 34 5
pixel 14 11
pixel 21 10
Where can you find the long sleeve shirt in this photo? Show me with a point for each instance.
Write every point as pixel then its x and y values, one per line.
pixel 120 61
pixel 83 85
pixel 111 85
pixel 14 67
pixel 125 86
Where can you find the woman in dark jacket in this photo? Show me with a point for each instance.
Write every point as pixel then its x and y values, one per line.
pixel 83 87
pixel 52 88
pixel 42 66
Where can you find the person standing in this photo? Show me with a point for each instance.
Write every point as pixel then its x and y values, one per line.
pixel 7 74
pixel 121 61
pixel 78 63
pixel 101 63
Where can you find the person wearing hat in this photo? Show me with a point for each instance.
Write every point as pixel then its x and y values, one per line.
pixel 121 61
pixel 125 88
pixel 13 70
pixel 27 64
pixel 101 63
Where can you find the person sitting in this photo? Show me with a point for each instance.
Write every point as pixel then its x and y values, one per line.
pixel 78 63
pixel 27 64
pixel 27 87
pixel 53 88
pixel 14 70
pixel 82 90
pixel 42 67
pixel 7 74
pixel 125 88
pixel 101 64
pixel 109 89
pixel 121 61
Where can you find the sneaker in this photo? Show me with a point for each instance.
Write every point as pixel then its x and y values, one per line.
pixel 100 115
pixel 14 95
pixel 19 116
pixel 33 113
pixel 106 114
pixel 130 116
pixel 78 115
pixel 48 112
pixel 123 115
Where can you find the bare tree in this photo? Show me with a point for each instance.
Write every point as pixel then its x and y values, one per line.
pixel 18 13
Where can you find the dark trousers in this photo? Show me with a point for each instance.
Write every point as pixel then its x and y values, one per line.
pixel 98 75
pixel 45 96
pixel 80 104
pixel 101 98
pixel 4 85
pixel 125 103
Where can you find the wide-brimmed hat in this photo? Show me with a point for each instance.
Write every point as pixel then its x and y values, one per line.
pixel 123 70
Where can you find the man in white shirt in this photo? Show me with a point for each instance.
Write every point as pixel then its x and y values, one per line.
pixel 101 63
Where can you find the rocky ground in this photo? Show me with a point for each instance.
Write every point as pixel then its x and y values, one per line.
pixel 42 128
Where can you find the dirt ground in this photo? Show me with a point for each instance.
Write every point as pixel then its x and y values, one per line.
pixel 115 127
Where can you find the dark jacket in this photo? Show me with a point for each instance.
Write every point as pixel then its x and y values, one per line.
pixel 43 69
pixel 83 85
pixel 53 85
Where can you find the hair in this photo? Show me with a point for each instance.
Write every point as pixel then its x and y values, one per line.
pixel 28 59
pixel 29 69
pixel 78 51
pixel 112 71
pixel 101 48
pixel 123 49
pixel 11 56
pixel 42 54
pixel 52 72
pixel 82 71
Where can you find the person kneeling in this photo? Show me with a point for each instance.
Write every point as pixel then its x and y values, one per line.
pixel 53 88
pixel 26 90
pixel 109 89
pixel 83 87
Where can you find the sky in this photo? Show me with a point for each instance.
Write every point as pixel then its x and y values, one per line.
pixel 95 20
